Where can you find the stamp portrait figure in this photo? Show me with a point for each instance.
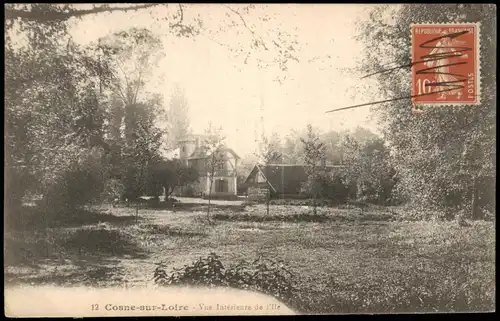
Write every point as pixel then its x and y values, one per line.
pixel 445 48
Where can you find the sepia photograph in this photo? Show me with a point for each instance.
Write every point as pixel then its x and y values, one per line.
pixel 182 159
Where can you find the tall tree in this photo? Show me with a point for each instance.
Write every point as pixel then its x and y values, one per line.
pixel 271 150
pixel 334 152
pixel 445 158
pixel 293 149
pixel 178 117
pixel 215 150
pixel 143 148
pixel 369 168
pixel 133 112
pixel 53 109
pixel 314 157
pixel 47 77
pixel 133 54
pixel 169 175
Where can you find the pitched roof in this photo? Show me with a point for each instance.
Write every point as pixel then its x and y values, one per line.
pixel 199 152
pixel 203 152
pixel 231 151
pixel 284 178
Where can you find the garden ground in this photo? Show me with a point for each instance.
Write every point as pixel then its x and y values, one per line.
pixel 346 261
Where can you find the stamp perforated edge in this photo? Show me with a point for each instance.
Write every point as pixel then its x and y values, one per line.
pixel 478 62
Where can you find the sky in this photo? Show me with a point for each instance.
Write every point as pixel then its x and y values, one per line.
pixel 243 99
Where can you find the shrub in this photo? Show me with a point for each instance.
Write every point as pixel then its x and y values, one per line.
pixel 113 188
pixel 263 275
pixel 334 189
pixel 188 191
pixel 78 185
pixel 250 203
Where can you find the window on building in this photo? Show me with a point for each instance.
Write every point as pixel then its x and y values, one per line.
pixel 220 166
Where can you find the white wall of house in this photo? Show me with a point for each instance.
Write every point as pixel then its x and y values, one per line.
pixel 230 184
pixel 227 172
pixel 231 164
pixel 202 187
pixel 186 148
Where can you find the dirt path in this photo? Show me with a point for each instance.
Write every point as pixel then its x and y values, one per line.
pixel 194 200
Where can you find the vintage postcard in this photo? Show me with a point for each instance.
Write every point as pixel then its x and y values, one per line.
pixel 249 159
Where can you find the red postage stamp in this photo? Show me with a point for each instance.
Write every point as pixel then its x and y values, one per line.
pixel 445 68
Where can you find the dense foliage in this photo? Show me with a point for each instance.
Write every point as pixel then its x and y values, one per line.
pixel 444 158
pixel 314 159
pixel 369 169
pixel 54 115
pixel 80 124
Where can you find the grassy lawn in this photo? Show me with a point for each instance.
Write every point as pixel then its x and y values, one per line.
pixel 344 261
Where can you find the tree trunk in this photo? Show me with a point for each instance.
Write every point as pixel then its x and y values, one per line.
pixel 267 201
pixel 209 199
pixel 140 186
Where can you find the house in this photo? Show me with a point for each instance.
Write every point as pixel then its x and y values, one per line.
pixel 196 154
pixel 282 180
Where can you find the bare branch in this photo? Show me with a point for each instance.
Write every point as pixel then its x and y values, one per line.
pixel 246 26
pixel 229 47
pixel 63 16
pixel 127 83
pixel 181 19
pixel 138 85
pixel 118 91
